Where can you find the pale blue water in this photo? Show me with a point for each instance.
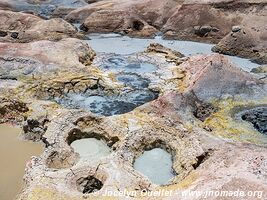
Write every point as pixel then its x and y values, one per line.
pixel 91 149
pixel 124 45
pixel 114 43
pixel 156 164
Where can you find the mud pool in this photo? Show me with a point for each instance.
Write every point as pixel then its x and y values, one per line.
pixel 135 91
pixel 156 164
pixel 123 45
pixel 115 55
pixel 108 105
pixel 90 149
pixel 257 117
pixel 14 154
pixel 120 63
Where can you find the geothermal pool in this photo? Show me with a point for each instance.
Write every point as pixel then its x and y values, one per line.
pixel 257 117
pixel 135 90
pixel 90 149
pixel 115 52
pixel 123 45
pixel 14 154
pixel 108 105
pixel 156 164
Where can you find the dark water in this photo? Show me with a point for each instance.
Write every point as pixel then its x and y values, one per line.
pixel 133 80
pixel 135 93
pixel 108 105
pixel 257 117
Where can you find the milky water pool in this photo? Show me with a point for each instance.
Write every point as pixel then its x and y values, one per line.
pixel 124 45
pixel 91 149
pixel 156 164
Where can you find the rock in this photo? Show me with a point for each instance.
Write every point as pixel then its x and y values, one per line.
pixel 203 110
pixel 117 16
pixel 210 77
pixel 243 43
pixel 58 68
pixel 12 110
pixel 170 55
pixel 32 59
pixel 100 22
pixel 14 35
pixel 187 93
pixel 45 8
pixel 203 30
pixel 89 184
pixel 258 117
pixel 190 20
pixel 159 48
pixel 13 28
pixel 193 118
pixel 3 33
pixel 260 69
pixel 187 20
pixel 34 129
pixel 236 28
pixel 5 5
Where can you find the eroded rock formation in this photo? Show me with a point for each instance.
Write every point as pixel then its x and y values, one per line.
pixel 22 27
pixel 206 112
pixel 244 43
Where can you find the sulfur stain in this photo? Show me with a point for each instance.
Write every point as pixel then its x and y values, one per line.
pixel 222 123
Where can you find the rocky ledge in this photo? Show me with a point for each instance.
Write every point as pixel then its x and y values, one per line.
pixel 22 27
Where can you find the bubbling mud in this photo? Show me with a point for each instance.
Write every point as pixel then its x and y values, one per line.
pixel 257 117
pixel 108 105
pixel 135 93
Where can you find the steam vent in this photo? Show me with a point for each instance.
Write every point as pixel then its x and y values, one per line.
pixel 133 99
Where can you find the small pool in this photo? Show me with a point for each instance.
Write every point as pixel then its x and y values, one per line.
pixel 90 149
pixel 257 117
pixel 14 153
pixel 156 164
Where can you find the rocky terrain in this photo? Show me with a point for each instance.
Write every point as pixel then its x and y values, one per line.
pixel 205 111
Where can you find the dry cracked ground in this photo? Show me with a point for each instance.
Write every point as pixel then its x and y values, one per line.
pixel 203 110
